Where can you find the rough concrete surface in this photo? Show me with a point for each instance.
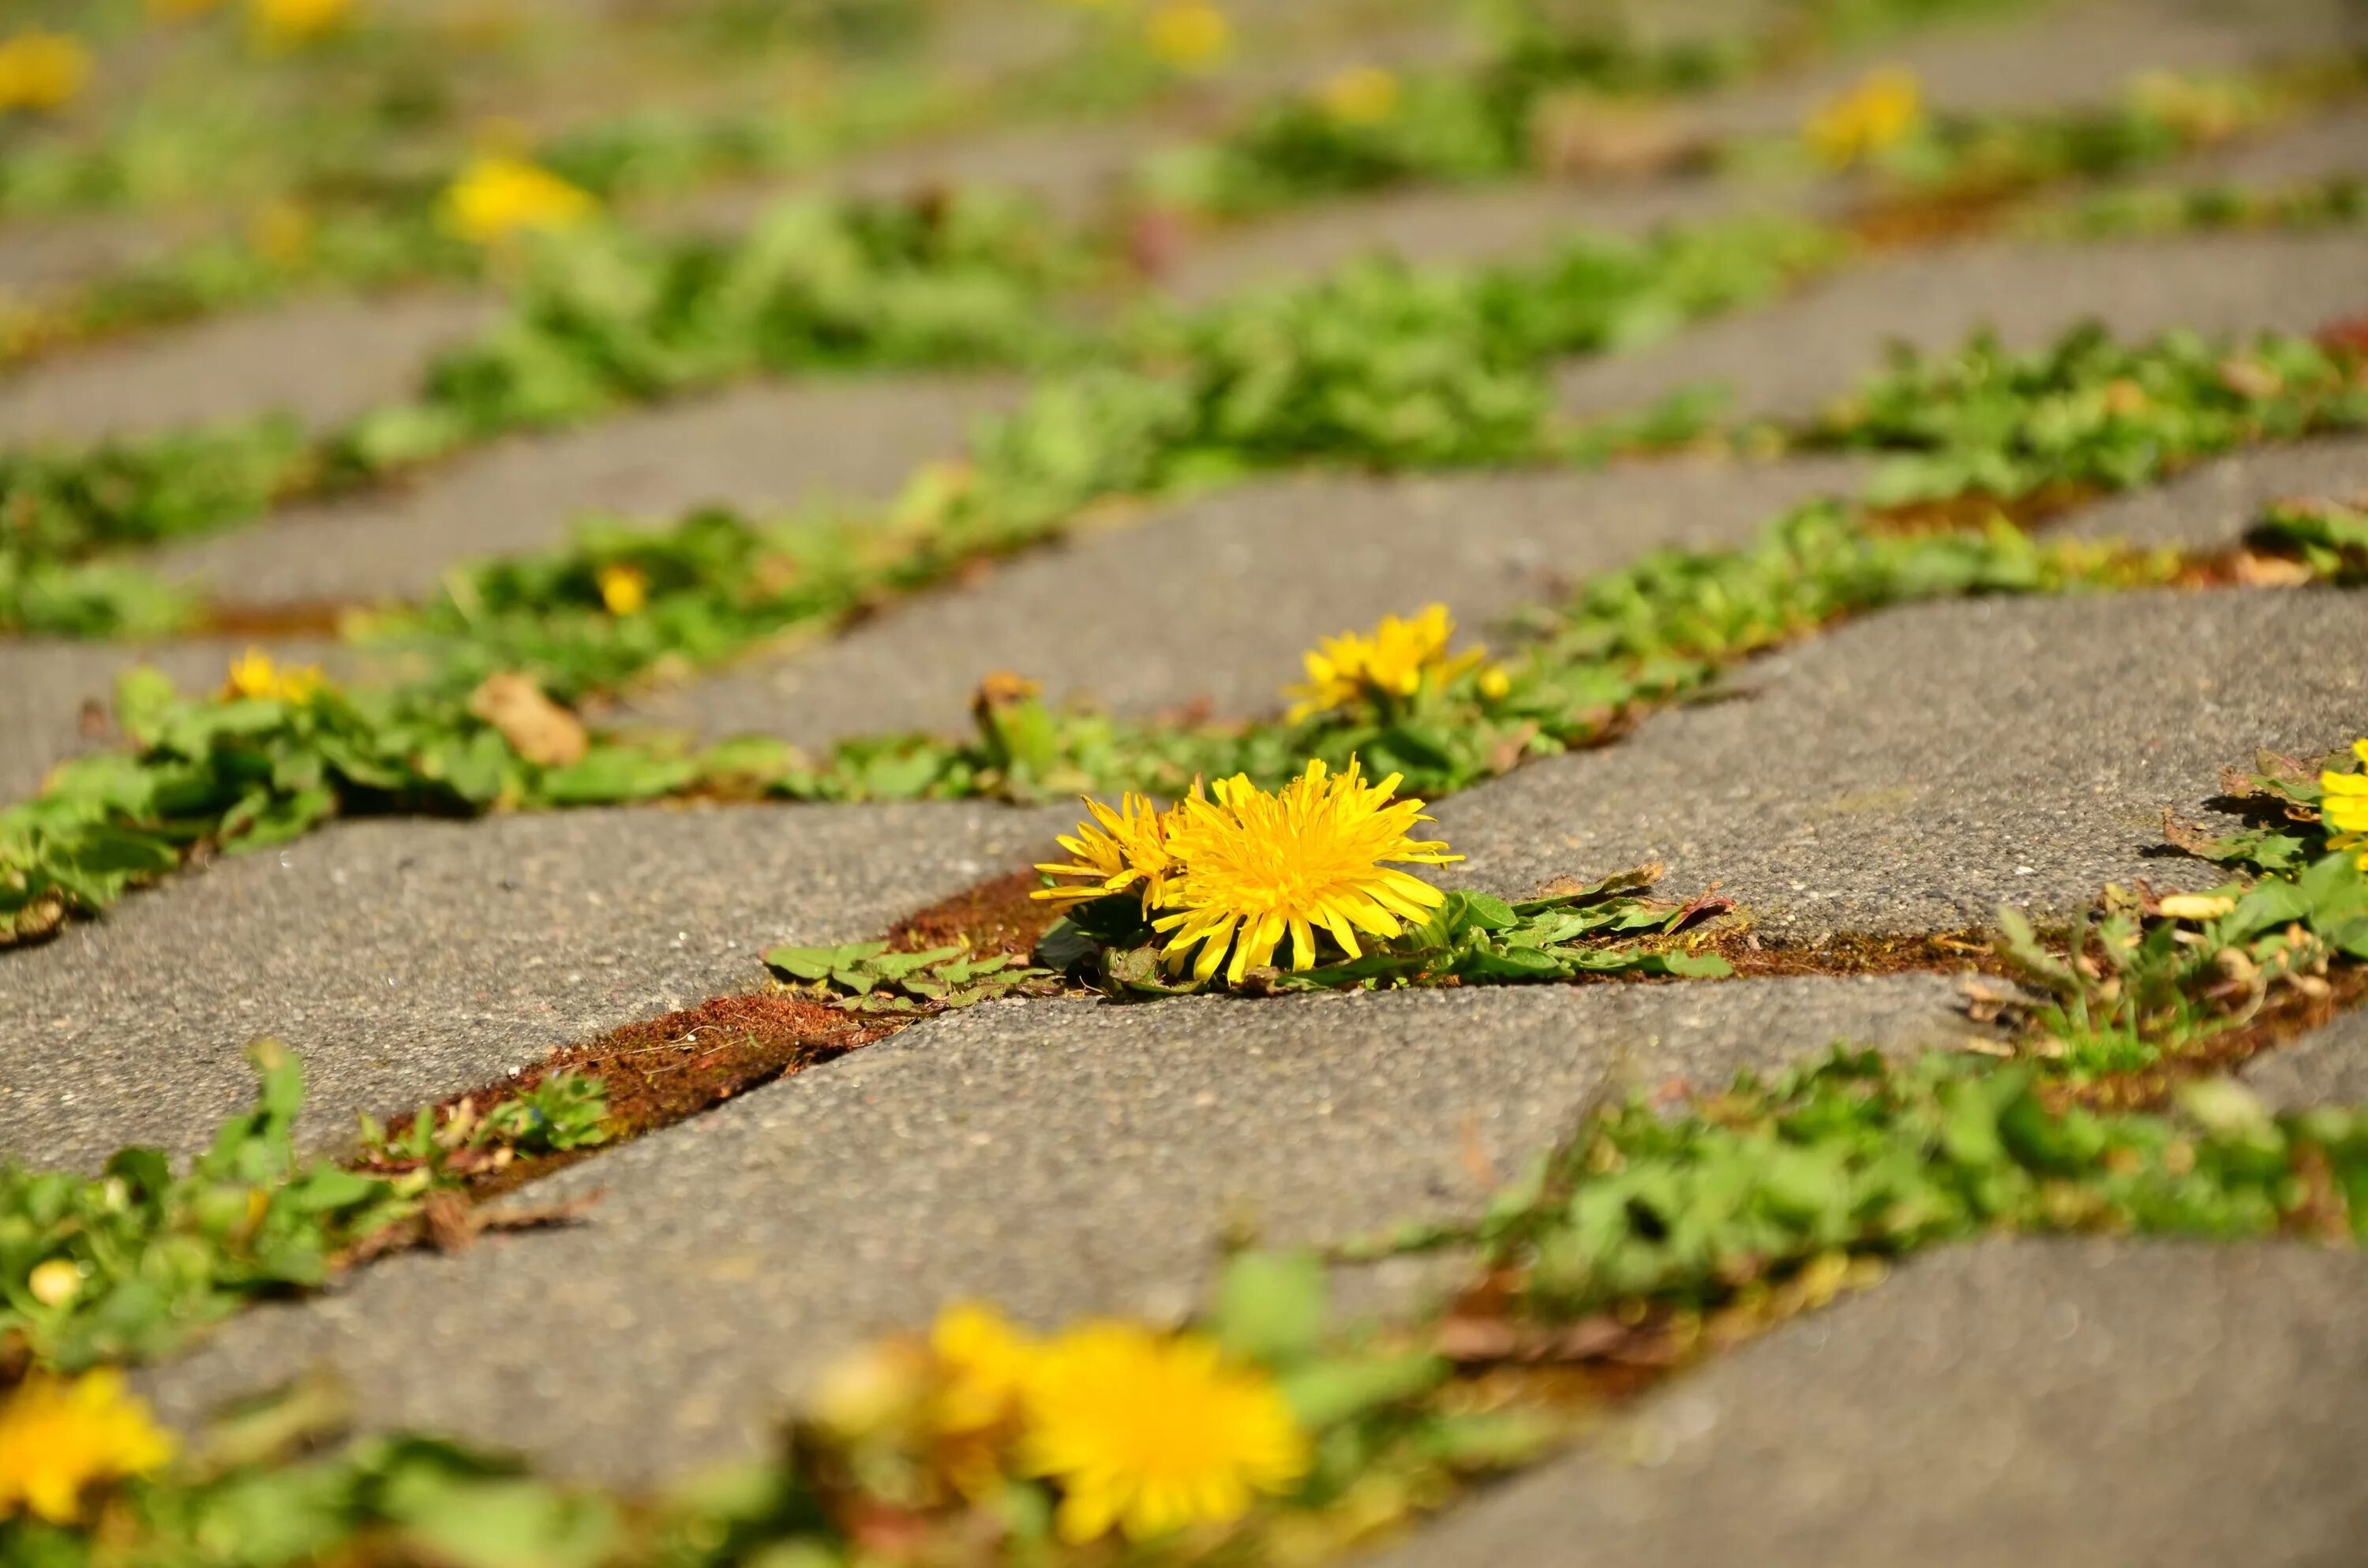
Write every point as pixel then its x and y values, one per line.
pixel 2057 56
pixel 240 367
pixel 767 447
pixel 2328 1066
pixel 406 960
pixel 1057 1157
pixel 1914 770
pixel 2215 504
pixel 1788 358
pixel 2016 1404
pixel 1216 598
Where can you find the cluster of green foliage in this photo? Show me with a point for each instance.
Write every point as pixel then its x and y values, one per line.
pixel 1861 1156
pixel 2089 409
pixel 1379 365
pixel 151 1257
pixel 2338 201
pixel 865 977
pixel 2330 536
pixel 595 322
pixel 2161 117
pixel 1482 121
pixel 155 1255
pixel 560 1114
pixel 245 771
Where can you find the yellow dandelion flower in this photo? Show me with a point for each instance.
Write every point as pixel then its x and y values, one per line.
pixel 59 1437
pixel 495 198
pixel 1260 867
pixel 986 1362
pixel 1150 1434
pixel 1128 849
pixel 1362 95
pixel 624 589
pixel 1391 664
pixel 1190 34
pixel 253 673
pixel 1495 683
pixel 1877 113
pixel 280 231
pixel 41 70
pixel 2344 804
pixel 284 22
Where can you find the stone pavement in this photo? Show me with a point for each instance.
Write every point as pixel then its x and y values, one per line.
pixel 2051 1404
pixel 1061 1158
pixel 1905 773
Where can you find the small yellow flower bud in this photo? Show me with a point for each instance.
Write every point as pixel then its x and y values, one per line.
pixel 54 1283
pixel 1191 34
pixel 624 589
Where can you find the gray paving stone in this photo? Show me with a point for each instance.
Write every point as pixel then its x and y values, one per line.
pixel 57 698
pixel 407 960
pixel 1787 359
pixel 1059 1157
pixel 2323 146
pixel 2053 56
pixel 764 446
pixel 1445 225
pixel 2326 1067
pixel 241 366
pixel 2213 504
pixel 1914 770
pixel 2016 1404
pixel 1216 598
pixel 39 257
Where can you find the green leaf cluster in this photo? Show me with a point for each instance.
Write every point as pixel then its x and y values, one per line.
pixel 566 1111
pixel 2089 411
pixel 865 977
pixel 159 1254
pixel 1864 1157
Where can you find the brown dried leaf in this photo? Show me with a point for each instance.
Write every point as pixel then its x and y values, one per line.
pixel 537 728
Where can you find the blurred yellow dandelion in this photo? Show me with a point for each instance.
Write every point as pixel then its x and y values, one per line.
pixel 59 1437
pixel 1312 856
pixel 623 589
pixel 1149 1433
pixel 496 197
pixel 253 673
pixel 1117 850
pixel 41 70
pixel 986 1362
pixel 55 1282
pixel 294 21
pixel 280 232
pixel 1362 95
pixel 2345 805
pixel 1391 663
pixel 1877 113
pixel 1191 34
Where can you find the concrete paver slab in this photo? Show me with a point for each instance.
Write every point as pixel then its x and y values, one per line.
pixel 1216 598
pixel 407 960
pixel 2017 1404
pixel 1789 357
pixel 240 367
pixel 1914 770
pixel 1058 1157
